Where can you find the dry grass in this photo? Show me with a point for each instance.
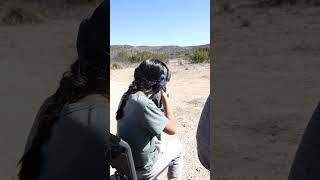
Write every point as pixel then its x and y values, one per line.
pixel 116 66
pixel 16 13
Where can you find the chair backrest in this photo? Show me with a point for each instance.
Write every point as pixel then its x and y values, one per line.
pixel 121 158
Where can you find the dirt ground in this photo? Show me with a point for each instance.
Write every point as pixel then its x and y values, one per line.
pixel 267 83
pixel 188 88
pixel 33 58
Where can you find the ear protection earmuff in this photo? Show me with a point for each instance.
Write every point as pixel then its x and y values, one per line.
pixel 164 78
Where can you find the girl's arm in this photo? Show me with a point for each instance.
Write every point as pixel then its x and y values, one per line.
pixel 171 125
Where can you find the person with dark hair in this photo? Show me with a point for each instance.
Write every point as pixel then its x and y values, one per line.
pixel 67 140
pixel 203 135
pixel 140 122
pixel 306 164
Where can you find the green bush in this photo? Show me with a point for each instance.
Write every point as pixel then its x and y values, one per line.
pixel 14 14
pixel 123 55
pixel 201 55
pixel 144 55
pixel 116 66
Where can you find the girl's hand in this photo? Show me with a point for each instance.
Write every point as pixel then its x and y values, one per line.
pixel 164 94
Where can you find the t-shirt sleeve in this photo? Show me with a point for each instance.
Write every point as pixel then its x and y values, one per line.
pixel 154 119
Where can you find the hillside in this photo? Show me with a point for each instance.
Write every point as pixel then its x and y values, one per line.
pixel 171 51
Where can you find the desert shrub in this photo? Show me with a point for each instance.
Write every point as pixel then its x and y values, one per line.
pixel 16 14
pixel 123 56
pixel 201 55
pixel 144 55
pixel 116 66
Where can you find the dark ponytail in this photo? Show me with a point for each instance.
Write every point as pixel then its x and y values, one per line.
pixel 133 88
pixel 73 86
pixel 136 85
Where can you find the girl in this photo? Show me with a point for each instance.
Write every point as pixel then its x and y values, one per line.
pixel 67 140
pixel 141 122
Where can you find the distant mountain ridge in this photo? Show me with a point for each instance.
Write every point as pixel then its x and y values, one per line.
pixel 170 51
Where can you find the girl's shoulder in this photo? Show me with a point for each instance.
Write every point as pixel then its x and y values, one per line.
pixel 140 99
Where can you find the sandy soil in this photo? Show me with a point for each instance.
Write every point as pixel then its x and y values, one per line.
pixel 188 90
pixel 267 83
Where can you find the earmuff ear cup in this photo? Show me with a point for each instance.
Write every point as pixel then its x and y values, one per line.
pixel 164 78
pixel 167 73
pixel 161 84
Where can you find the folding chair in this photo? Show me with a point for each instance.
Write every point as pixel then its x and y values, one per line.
pixel 121 160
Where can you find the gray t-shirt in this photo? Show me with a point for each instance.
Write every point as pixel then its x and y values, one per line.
pixel 76 147
pixel 140 127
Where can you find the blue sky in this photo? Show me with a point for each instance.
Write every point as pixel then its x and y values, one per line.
pixel 160 22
